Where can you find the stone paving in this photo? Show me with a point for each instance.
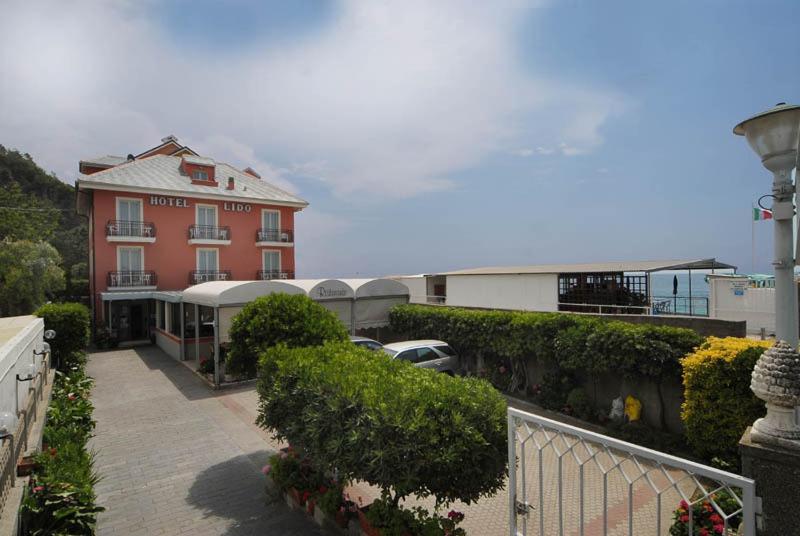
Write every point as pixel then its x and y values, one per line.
pixel 177 458
pixel 174 458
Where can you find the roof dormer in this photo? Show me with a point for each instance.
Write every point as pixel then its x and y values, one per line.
pixel 199 169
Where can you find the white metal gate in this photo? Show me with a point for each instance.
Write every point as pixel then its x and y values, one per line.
pixel 564 480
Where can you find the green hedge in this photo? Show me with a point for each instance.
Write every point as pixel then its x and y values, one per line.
pixel 719 404
pixel 566 341
pixel 71 323
pixel 293 320
pixel 402 428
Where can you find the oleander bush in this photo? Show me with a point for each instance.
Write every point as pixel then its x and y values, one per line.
pixel 293 320
pixel 71 322
pixel 60 497
pixel 719 404
pixel 408 430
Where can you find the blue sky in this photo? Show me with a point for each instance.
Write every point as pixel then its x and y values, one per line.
pixel 430 135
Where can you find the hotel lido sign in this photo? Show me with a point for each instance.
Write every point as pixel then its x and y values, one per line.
pixel 181 202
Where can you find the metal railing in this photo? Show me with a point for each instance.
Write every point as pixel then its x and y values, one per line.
pixel 135 229
pixel 204 276
pixel 566 480
pixel 608 309
pixel 680 305
pixel 209 232
pixel 266 275
pixel 136 278
pixel 275 235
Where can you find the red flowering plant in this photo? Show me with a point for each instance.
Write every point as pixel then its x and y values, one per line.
pixel 206 366
pixel 705 518
pixel 500 376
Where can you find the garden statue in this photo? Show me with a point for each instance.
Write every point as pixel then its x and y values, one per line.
pixel 776 381
pixel 633 408
pixel 617 410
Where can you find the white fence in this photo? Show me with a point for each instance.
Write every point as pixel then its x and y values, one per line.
pixel 566 480
pixel 734 299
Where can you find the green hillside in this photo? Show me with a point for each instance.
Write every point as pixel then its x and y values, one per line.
pixel 36 205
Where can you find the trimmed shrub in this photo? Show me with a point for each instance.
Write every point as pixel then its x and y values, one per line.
pixel 408 430
pixel 71 323
pixel 719 404
pixel 293 320
pixel 569 342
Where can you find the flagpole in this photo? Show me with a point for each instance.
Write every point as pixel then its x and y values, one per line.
pixel 753 238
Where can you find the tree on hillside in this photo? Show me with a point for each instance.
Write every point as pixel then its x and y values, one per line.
pixel 29 276
pixel 24 184
pixel 24 216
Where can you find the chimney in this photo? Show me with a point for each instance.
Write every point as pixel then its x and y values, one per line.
pixel 250 171
pixel 130 158
pixel 230 183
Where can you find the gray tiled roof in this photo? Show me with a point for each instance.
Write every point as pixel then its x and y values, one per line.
pixel 161 172
pixel 105 160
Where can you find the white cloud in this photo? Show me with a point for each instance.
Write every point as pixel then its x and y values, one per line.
pixel 387 99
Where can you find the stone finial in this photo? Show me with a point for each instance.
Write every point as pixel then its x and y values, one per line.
pixel 776 381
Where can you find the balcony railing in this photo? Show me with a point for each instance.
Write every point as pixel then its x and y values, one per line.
pixel 275 235
pixel 138 278
pixel 209 232
pixel 266 275
pixel 204 276
pixel 136 229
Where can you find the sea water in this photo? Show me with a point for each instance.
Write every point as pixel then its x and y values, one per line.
pixel 661 290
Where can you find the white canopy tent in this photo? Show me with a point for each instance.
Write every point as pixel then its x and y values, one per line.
pixel 359 303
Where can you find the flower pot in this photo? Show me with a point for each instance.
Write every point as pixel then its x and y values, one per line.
pixel 366 527
pixel 26 466
pixel 297 498
pixel 310 504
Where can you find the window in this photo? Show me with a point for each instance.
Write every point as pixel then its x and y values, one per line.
pixel 272 261
pixel 130 259
pixel 271 220
pixel 129 209
pixel 418 355
pixel 175 319
pixel 200 175
pixel 162 314
pixel 446 350
pixel 207 260
pixel 207 215
pixel 408 355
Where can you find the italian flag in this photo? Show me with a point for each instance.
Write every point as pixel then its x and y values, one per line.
pixel 761 214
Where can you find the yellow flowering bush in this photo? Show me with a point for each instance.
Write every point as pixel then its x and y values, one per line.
pixel 719 404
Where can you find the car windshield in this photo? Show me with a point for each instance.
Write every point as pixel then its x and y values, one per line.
pixel 390 352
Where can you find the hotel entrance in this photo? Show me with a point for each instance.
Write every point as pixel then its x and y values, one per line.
pixel 129 320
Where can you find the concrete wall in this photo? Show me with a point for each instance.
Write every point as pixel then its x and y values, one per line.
pixel 733 299
pixel 704 326
pixel 19 337
pixel 416 287
pixel 169 344
pixel 532 292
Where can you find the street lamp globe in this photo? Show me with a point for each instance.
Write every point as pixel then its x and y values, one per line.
pixel 773 135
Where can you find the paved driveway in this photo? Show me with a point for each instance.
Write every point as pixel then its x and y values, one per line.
pixel 177 459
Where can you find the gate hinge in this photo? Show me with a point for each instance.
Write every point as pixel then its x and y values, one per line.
pixel 523 508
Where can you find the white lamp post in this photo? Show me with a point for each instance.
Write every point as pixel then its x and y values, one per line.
pixel 774 136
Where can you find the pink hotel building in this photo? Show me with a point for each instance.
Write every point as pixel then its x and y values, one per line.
pixel 169 218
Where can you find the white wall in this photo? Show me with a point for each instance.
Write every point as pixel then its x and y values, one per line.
pixel 169 345
pixel 19 336
pixel 531 292
pixel 756 306
pixel 417 287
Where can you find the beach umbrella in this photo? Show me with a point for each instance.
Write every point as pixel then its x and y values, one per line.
pixel 674 285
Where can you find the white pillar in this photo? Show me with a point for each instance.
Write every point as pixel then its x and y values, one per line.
pixel 183 341
pixel 785 290
pixel 216 347
pixel 197 333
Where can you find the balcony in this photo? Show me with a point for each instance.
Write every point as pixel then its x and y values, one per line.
pixel 209 235
pixel 130 231
pixel 204 276
pixel 275 237
pixel 139 279
pixel 266 275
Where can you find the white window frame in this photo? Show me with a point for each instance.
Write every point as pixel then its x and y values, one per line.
pixel 141 207
pixel 264 258
pixel 265 210
pixel 206 205
pixel 194 178
pixel 197 258
pixel 119 263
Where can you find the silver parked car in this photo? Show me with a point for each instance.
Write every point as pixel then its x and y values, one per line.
pixel 426 354
pixel 365 342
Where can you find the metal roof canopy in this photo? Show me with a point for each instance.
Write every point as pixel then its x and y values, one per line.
pixel 172 296
pixel 620 266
